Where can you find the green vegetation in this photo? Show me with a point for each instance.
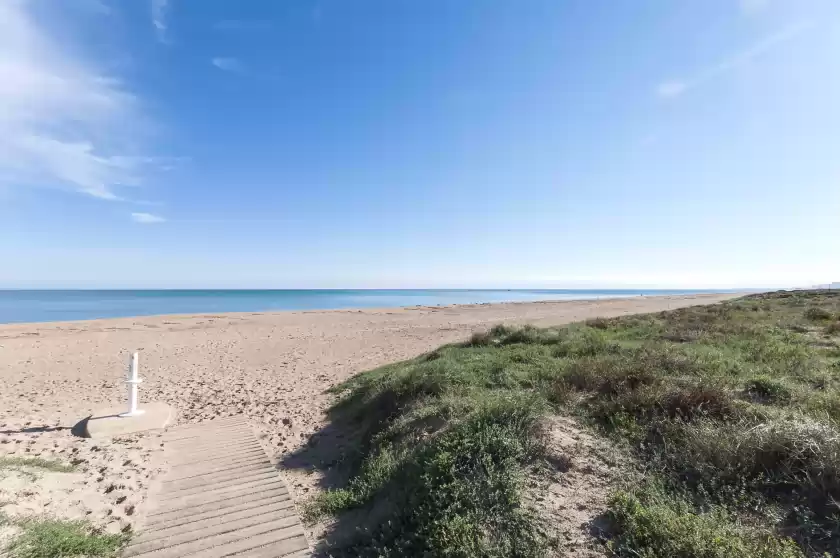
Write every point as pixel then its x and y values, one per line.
pixel 457 492
pixel 652 523
pixel 38 463
pixel 732 410
pixel 49 538
pixel 817 314
pixel 52 538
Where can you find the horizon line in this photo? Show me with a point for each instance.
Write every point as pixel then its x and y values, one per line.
pixel 453 288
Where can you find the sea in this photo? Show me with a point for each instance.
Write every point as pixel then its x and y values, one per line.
pixel 24 306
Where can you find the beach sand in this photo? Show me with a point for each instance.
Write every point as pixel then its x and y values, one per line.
pixel 272 367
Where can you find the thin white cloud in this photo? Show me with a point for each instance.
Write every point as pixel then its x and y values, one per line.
pixel 64 124
pixel 671 88
pixel 159 9
pixel 675 87
pixel 752 7
pixel 95 6
pixel 227 64
pixel 147 218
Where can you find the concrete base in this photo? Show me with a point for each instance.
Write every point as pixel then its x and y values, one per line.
pixel 108 423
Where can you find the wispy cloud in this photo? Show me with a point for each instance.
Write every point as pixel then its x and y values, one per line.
pixel 147 218
pixel 95 6
pixel 64 123
pixel 242 25
pixel 675 87
pixel 228 64
pixel 159 9
pixel 671 88
pixel 752 7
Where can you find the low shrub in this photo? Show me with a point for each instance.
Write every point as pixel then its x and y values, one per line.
pixel 787 458
pixel 457 493
pixel 652 524
pixel 598 323
pixel 769 389
pixel 649 403
pixel 817 314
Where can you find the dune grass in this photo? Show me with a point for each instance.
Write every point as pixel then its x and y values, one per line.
pixel 651 522
pixel 37 463
pixel 41 537
pixel 52 538
pixel 732 411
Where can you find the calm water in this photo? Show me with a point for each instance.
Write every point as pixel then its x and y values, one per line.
pixel 63 305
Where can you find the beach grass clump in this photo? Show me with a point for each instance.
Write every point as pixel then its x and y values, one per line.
pixel 450 472
pixel 36 463
pixel 46 537
pixel 651 522
pixel 52 538
pixel 769 389
pixel 818 314
pixel 732 411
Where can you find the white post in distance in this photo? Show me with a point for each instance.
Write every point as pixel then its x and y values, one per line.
pixel 133 381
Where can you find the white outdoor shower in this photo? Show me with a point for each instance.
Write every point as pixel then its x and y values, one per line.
pixel 133 382
pixel 111 421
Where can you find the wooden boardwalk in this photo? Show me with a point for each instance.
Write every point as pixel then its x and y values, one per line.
pixel 221 497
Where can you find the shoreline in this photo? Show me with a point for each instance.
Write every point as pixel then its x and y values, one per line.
pixel 364 309
pixel 273 368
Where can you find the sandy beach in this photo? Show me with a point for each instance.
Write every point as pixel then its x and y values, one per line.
pixel 272 367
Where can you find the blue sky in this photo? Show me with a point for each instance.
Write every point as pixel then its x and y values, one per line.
pixel 400 143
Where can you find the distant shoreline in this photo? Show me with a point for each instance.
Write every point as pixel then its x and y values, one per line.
pixel 45 306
